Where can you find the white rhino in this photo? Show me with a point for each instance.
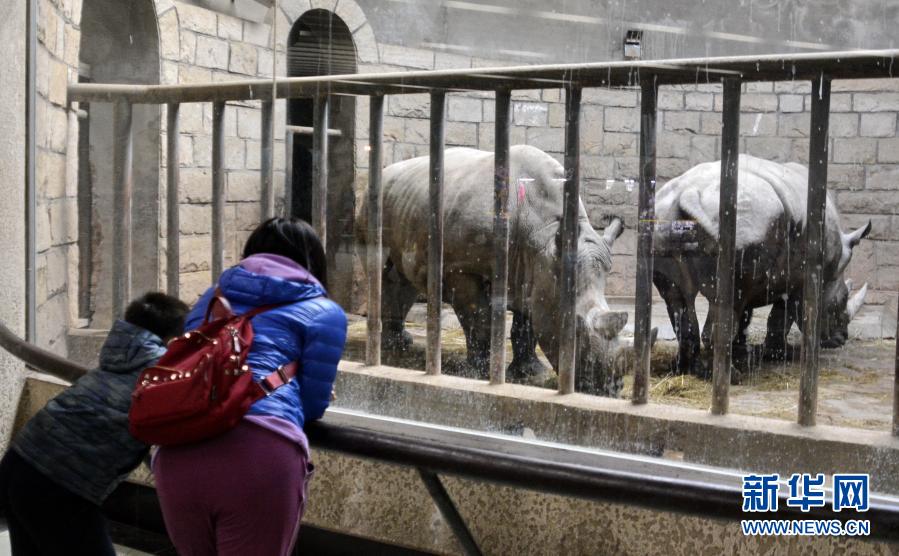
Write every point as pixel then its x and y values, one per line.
pixel 535 217
pixel 770 261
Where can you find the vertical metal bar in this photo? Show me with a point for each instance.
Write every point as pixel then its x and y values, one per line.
pixel 218 190
pixel 435 232
pixel 500 281
pixel 73 135
pixel 896 384
pixel 320 167
pixel 30 175
pixel 288 174
pixel 722 343
pixel 375 229
pixel 173 177
pixel 814 250
pixel 645 223
pixel 267 169
pixel 122 197
pixel 449 512
pixel 570 215
pixel 85 214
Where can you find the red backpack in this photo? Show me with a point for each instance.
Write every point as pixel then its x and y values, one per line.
pixel 202 386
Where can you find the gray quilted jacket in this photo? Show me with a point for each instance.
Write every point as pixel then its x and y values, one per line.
pixel 80 438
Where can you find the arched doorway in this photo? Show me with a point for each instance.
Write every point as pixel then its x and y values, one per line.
pixel 320 43
pixel 119 44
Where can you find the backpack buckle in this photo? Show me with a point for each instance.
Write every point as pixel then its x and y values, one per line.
pixel 266 387
pixel 282 375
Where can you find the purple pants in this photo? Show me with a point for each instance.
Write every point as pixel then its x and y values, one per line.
pixel 237 494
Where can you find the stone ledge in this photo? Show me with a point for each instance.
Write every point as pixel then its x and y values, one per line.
pixel 731 441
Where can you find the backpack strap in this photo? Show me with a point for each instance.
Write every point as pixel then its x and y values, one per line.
pixel 218 307
pixel 277 379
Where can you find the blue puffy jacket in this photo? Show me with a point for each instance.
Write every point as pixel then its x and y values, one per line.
pixel 311 330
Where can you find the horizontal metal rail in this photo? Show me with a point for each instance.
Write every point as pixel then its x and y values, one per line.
pixel 611 477
pixel 602 476
pixel 308 130
pixel 775 67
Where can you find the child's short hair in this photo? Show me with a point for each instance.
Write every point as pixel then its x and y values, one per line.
pixel 159 313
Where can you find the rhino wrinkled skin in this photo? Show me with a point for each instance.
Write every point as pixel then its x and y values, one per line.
pixel 770 266
pixel 535 216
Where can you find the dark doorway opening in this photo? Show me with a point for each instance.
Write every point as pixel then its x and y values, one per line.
pixel 320 43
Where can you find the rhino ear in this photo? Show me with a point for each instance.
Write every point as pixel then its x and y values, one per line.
pixel 610 323
pixel 853 238
pixel 612 231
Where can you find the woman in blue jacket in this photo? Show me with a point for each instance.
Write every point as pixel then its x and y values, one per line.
pixel 244 492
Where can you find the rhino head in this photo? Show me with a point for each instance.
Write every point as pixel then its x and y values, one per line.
pixel 600 360
pixel 840 305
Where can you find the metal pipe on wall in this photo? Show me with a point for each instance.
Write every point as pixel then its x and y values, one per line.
pixel 896 383
pixel 320 168
pixel 173 216
pixel 435 232
pixel 649 90
pixel 288 174
pixel 375 248
pixel 218 190
pixel 123 184
pixel 500 282
pixel 814 254
pixel 727 239
pixel 569 231
pixel 266 164
pixel 30 174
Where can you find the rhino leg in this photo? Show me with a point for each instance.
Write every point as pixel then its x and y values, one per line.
pixel 469 295
pixel 525 363
pixel 780 321
pixel 682 313
pixel 739 347
pixel 397 297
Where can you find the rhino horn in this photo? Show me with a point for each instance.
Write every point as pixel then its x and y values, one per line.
pixel 849 284
pixel 856 301
pixel 612 231
pixel 610 323
pixel 653 336
pixel 852 239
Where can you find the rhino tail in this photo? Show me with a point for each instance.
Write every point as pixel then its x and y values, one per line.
pixel 690 203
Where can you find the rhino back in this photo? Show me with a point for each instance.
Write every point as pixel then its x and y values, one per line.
pixel 771 214
pixel 768 194
pixel 535 208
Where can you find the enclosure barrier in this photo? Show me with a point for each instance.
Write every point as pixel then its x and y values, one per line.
pixel 732 72
pixel 645 482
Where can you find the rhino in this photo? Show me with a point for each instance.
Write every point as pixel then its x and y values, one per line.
pixel 535 218
pixel 770 263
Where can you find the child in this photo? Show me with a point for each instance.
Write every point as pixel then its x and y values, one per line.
pixel 73 453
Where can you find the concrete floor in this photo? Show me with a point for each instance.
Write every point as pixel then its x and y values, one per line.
pixel 6 551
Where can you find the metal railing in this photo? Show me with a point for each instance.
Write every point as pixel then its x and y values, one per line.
pixel 731 72
pixel 596 475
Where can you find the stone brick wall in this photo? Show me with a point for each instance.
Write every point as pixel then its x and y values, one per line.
pixel 57 222
pixel 218 47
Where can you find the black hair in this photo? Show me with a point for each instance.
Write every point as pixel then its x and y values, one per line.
pixel 292 238
pixel 159 313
